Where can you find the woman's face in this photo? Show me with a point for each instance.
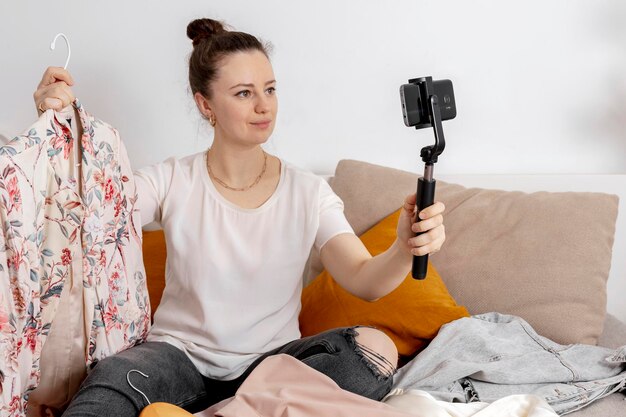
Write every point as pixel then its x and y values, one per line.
pixel 244 100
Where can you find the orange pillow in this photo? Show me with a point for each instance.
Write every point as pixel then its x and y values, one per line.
pixel 154 256
pixel 410 315
pixel 164 410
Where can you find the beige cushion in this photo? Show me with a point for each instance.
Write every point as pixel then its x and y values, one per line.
pixel 542 256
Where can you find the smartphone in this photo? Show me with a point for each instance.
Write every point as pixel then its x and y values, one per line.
pixel 415 95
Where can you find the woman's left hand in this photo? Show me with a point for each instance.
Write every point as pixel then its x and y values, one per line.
pixel 430 221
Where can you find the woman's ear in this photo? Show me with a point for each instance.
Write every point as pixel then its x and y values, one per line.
pixel 203 104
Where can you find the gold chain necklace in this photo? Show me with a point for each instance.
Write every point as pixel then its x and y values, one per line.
pixel 223 184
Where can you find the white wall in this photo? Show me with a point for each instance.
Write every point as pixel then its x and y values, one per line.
pixel 540 86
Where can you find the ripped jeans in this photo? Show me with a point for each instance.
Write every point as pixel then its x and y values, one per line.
pixel 172 377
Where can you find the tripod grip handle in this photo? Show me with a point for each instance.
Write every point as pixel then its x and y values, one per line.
pixel 425 198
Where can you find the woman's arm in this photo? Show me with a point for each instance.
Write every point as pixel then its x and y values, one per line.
pixel 369 278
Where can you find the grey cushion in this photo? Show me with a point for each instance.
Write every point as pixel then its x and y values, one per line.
pixel 612 406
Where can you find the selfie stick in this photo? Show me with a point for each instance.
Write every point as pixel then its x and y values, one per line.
pixel 426 184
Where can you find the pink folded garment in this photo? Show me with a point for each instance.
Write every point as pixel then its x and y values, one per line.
pixel 282 386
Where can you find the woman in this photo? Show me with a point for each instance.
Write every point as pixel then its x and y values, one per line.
pixel 239 225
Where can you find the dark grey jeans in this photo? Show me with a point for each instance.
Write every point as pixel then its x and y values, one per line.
pixel 173 378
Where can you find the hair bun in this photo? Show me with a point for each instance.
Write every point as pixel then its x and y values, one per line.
pixel 203 28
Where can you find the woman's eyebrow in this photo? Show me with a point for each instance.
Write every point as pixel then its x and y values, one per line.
pixel 250 85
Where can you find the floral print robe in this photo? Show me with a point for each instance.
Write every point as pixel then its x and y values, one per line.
pixel 67 210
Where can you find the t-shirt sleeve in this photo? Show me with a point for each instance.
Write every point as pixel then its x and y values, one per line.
pixel 332 220
pixel 152 183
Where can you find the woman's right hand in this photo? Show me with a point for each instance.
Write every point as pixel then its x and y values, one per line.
pixel 54 92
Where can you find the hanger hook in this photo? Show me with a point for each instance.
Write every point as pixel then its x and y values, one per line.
pixel 69 50
pixel 134 387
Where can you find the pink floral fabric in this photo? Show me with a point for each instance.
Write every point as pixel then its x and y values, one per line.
pixel 67 211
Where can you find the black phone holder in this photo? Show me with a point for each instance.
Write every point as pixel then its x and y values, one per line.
pixel 427 103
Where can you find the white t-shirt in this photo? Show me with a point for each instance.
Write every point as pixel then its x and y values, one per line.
pixel 233 275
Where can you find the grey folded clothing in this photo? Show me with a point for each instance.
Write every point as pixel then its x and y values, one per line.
pixel 489 356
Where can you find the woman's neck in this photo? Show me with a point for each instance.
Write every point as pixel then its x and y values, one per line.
pixel 237 167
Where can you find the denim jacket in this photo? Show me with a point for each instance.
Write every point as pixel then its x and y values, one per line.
pixel 489 356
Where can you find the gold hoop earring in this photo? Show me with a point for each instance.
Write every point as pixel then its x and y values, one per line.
pixel 212 120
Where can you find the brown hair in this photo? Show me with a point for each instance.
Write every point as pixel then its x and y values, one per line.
pixel 211 43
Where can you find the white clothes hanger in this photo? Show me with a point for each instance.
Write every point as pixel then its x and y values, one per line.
pixel 67 61
pixel 69 50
